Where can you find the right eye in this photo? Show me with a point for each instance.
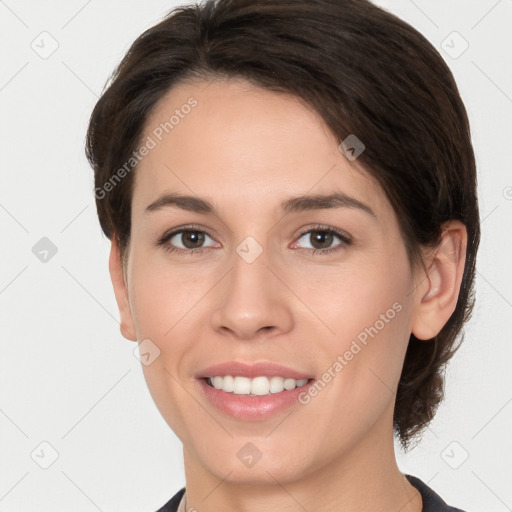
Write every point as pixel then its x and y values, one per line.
pixel 186 240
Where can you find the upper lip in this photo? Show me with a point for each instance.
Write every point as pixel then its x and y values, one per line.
pixel 251 370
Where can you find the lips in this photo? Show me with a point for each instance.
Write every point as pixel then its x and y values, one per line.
pixel 252 407
pixel 249 407
pixel 252 370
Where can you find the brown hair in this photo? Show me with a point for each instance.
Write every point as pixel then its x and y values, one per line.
pixel 366 72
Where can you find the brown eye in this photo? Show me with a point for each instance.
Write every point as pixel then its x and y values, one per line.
pixel 323 240
pixel 192 239
pixel 187 240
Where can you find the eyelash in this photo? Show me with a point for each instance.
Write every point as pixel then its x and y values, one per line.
pixel 344 238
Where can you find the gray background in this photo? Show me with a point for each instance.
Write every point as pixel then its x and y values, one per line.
pixel 67 377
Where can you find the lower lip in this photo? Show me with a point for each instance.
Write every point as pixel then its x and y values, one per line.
pixel 252 408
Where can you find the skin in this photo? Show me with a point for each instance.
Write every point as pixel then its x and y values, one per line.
pixel 247 149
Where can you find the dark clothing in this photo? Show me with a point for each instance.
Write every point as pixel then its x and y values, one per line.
pixel 432 502
pixel 172 504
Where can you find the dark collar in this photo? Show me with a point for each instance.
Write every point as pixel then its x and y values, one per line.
pixel 432 502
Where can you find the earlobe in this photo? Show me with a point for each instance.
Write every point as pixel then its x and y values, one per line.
pixel 115 266
pixel 438 291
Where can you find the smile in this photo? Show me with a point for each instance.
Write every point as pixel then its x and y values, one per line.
pixel 276 395
pixel 258 386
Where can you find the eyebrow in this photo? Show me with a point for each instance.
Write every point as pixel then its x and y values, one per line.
pixel 292 204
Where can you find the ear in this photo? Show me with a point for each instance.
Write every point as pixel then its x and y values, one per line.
pixel 115 267
pixel 439 287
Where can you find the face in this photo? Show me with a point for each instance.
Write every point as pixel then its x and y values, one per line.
pixel 245 272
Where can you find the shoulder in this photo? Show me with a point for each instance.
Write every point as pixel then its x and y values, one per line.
pixel 173 503
pixel 432 502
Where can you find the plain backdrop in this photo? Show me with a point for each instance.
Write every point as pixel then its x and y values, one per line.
pixel 72 395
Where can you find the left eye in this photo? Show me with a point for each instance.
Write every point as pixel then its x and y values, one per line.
pixel 322 239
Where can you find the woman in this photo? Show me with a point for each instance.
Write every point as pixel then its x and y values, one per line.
pixel 290 193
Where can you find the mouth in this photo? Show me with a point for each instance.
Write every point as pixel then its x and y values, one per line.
pixel 252 391
pixel 253 399
pixel 257 386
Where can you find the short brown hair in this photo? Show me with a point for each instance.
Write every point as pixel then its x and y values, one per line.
pixel 366 72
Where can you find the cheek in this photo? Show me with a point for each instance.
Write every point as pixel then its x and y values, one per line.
pixel 371 290
pixel 152 308
pixel 368 307
pixel 162 301
pixel 162 304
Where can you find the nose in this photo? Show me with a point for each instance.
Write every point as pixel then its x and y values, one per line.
pixel 253 300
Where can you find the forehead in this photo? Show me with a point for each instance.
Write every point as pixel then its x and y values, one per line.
pixel 228 139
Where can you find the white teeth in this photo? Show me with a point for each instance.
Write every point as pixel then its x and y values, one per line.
pixel 255 387
pixel 242 386
pixel 260 386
